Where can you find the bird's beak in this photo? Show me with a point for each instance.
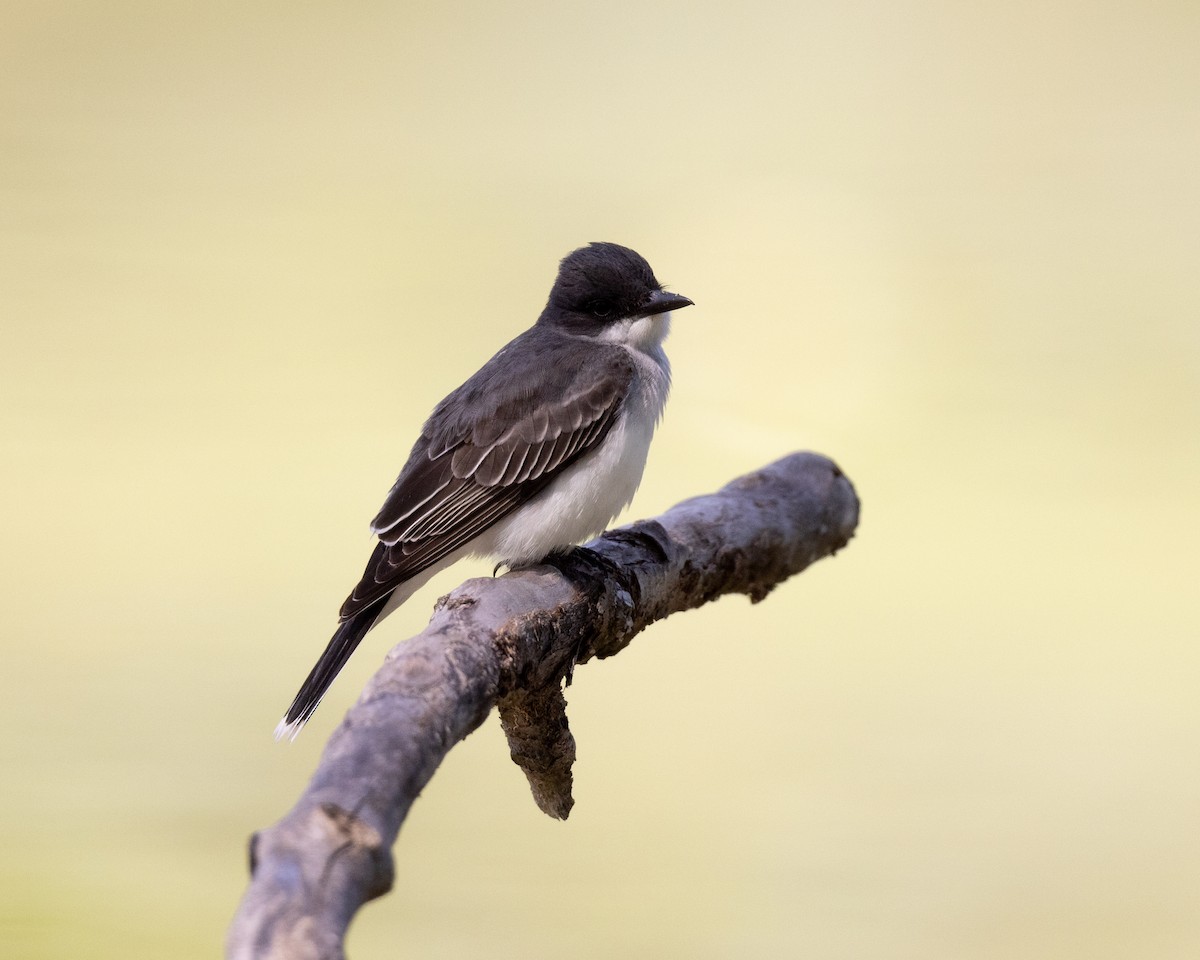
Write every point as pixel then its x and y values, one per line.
pixel 660 302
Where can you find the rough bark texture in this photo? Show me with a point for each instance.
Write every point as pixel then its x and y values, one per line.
pixel 510 643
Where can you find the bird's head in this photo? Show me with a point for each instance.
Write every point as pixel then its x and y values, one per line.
pixel 605 290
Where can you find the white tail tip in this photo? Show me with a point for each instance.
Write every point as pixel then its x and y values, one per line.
pixel 288 731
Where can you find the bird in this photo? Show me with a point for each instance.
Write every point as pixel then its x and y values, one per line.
pixel 536 452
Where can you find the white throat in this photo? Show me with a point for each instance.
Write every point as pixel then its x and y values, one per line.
pixel 644 334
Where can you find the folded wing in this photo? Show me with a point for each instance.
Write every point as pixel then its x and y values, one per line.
pixel 492 445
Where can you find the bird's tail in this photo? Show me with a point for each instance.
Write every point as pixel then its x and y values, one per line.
pixel 347 636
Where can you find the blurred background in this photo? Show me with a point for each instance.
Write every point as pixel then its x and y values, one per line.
pixel 244 248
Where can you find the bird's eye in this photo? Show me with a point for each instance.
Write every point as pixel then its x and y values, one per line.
pixel 601 309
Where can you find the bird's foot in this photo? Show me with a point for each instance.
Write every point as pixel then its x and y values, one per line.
pixel 583 567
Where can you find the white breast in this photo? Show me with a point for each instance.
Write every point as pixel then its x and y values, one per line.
pixel 585 499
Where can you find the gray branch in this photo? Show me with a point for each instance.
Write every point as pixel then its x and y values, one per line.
pixel 509 643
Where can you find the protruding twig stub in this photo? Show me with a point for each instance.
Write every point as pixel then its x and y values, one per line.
pixel 510 643
pixel 540 743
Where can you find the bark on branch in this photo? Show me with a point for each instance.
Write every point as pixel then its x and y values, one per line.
pixel 509 643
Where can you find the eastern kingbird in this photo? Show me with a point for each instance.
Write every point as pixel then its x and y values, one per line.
pixel 538 451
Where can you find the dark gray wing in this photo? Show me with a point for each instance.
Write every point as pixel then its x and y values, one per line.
pixel 535 408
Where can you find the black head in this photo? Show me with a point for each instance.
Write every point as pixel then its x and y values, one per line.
pixel 602 284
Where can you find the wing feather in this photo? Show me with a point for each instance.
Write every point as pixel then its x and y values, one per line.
pixel 538 464
pixel 526 452
pixel 490 471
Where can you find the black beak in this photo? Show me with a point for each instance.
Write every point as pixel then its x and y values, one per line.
pixel 660 302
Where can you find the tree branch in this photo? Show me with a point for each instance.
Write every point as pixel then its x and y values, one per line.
pixel 510 643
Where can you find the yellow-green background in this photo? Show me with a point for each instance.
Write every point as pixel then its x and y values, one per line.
pixel 244 247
